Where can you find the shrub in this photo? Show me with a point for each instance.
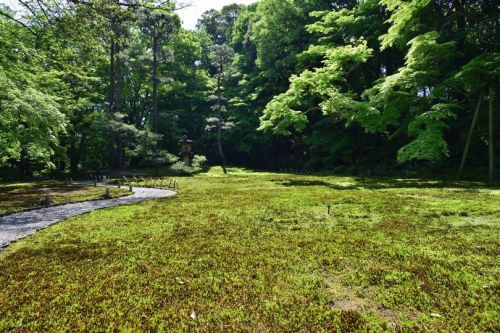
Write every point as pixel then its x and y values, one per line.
pixel 196 166
pixel 199 161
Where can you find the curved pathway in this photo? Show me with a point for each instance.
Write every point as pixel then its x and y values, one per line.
pixel 19 225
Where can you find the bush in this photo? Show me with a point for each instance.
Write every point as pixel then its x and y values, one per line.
pixel 196 166
pixel 199 161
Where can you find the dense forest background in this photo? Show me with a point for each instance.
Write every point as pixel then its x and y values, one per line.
pixel 357 86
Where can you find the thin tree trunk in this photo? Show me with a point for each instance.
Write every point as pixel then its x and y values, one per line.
pixel 219 126
pixel 117 108
pixel 155 101
pixel 155 86
pixel 388 61
pixel 491 145
pixel 111 100
pixel 461 24
pixel 374 155
pixel 469 136
pixel 76 153
pixel 80 152
pixel 360 155
pixel 73 156
pixel 219 143
pixel 111 92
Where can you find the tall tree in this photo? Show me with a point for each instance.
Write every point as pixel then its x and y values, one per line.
pixel 221 56
pixel 159 25
pixel 219 24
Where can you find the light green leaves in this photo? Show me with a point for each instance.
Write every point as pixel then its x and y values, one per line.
pixel 404 21
pixel 412 91
pixel 478 73
pixel 30 124
pixel 323 84
pixel 427 129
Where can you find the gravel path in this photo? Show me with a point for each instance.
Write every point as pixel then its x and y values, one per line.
pixel 19 225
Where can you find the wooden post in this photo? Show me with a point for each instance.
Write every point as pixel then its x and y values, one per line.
pixel 469 136
pixel 491 138
pixel 107 194
pixel 130 187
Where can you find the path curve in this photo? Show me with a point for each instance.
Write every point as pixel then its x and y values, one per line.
pixel 20 225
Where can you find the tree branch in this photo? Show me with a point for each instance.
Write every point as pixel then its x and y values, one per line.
pixel 18 22
pixel 25 5
pixel 158 7
pixel 44 12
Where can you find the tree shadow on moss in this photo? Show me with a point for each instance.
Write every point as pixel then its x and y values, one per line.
pixel 381 183
pixel 68 252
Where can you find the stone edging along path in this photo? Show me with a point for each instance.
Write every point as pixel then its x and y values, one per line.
pixel 20 225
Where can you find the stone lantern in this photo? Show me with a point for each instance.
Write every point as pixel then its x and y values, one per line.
pixel 186 152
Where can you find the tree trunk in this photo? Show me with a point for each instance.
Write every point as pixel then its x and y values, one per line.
pixel 219 126
pixel 117 108
pixel 360 155
pixel 461 24
pixel 155 101
pixel 469 136
pixel 76 154
pixel 111 101
pixel 374 155
pixel 111 92
pixel 155 85
pixel 219 143
pixel 73 159
pixel 388 61
pixel 491 138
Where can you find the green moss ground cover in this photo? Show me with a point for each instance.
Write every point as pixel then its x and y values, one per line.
pixel 16 197
pixel 258 252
